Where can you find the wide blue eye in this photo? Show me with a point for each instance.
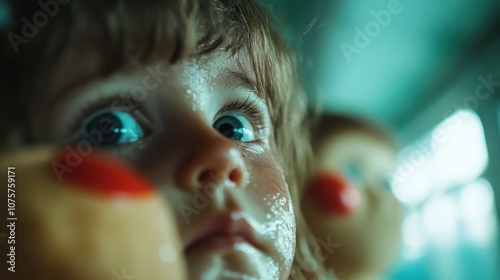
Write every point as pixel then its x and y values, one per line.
pixel 106 128
pixel 235 127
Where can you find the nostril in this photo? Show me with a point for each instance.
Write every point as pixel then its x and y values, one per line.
pixel 208 177
pixel 236 176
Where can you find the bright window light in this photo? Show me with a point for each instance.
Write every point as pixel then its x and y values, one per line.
pixel 441 217
pixel 452 154
pixel 463 156
pixel 477 211
pixel 414 237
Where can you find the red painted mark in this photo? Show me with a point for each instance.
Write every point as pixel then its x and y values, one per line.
pixel 333 194
pixel 106 176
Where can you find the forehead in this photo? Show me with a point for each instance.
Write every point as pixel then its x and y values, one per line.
pixel 82 61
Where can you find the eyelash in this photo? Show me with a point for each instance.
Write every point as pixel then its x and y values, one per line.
pixel 106 103
pixel 252 109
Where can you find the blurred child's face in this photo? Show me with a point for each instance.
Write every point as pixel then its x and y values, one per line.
pixel 200 132
pixel 369 236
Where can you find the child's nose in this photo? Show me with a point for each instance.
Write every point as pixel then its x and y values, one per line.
pixel 214 161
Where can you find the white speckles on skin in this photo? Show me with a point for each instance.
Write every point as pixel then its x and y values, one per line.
pixel 236 275
pixel 198 75
pixel 200 80
pixel 270 271
pixel 280 227
pixel 194 78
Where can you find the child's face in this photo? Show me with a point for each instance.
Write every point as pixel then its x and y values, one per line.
pixel 369 236
pixel 199 131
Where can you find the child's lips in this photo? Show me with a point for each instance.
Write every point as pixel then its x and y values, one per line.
pixel 223 231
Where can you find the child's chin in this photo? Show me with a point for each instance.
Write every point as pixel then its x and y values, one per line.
pixel 231 263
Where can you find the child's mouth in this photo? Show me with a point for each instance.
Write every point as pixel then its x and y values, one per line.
pixel 223 232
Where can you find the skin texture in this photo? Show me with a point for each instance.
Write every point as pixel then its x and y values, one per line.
pixel 369 237
pixel 199 171
pixel 65 232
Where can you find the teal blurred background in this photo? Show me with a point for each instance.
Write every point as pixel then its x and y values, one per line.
pixel 429 70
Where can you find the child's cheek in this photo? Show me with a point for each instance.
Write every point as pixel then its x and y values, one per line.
pixel 278 222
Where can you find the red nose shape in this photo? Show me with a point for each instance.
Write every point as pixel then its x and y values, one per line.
pixel 106 176
pixel 333 194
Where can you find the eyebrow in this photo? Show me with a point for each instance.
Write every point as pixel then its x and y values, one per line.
pixel 231 79
pixel 235 79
